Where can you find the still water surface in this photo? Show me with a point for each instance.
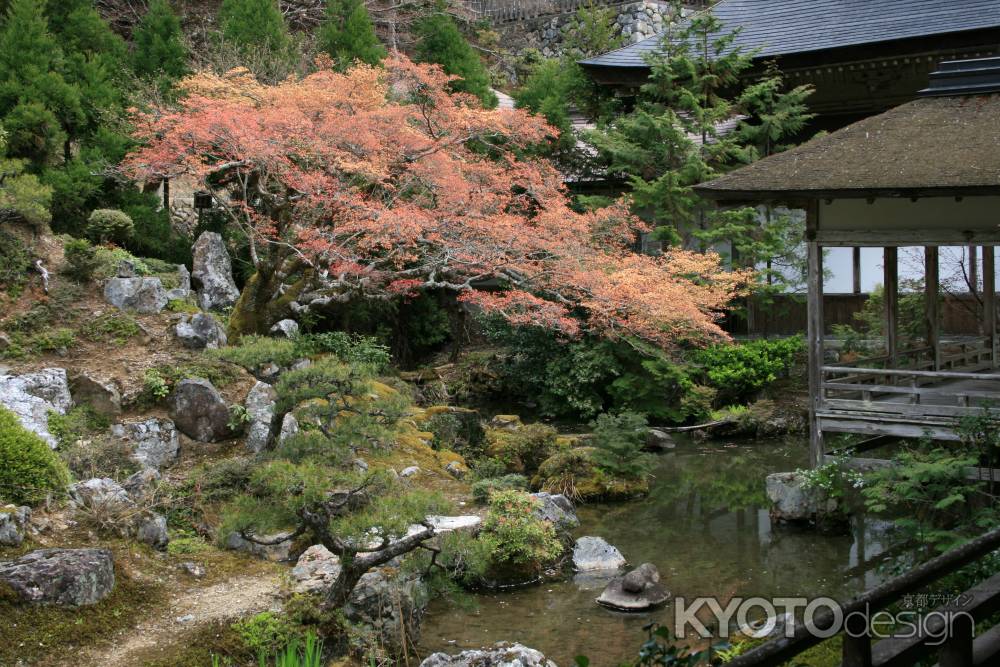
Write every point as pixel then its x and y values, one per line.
pixel 705 526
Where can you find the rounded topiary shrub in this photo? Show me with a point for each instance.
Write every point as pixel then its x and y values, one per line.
pixel 108 224
pixel 29 469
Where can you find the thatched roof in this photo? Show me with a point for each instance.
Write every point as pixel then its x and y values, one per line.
pixel 930 146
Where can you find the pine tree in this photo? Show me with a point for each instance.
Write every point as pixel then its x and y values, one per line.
pixel 440 41
pixel 347 34
pixel 159 48
pixel 254 24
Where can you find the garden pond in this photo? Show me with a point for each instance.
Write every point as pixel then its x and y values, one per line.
pixel 705 526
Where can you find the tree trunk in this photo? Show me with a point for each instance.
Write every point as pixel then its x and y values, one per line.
pixel 256 309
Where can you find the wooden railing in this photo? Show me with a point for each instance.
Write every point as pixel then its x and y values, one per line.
pixel 504 11
pixel 958 648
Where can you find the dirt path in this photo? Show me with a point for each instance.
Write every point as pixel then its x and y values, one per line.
pixel 228 599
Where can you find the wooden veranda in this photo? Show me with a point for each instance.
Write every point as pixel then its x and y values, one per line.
pixel 925 174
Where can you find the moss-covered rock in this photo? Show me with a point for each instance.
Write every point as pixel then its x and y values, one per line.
pixel 573 473
pixel 524 448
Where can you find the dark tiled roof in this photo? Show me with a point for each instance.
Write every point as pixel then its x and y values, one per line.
pixel 783 27
pixel 944 144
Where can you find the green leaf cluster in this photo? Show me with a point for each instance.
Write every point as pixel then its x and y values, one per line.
pixel 440 41
pixel 347 34
pixel 618 442
pixel 30 471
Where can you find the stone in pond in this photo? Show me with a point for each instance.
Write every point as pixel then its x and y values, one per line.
pixel 501 654
pixel 591 554
pixel 638 590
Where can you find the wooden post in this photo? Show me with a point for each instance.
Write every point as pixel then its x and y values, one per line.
pixel 890 282
pixel 814 279
pixel 931 316
pixel 973 270
pixel 166 194
pixel 856 266
pixel 990 300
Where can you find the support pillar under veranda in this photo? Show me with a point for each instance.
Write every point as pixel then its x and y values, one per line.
pixel 814 279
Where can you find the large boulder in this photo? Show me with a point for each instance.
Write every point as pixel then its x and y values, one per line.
pixel 289 427
pixel 153 441
pixel 100 494
pixel 391 603
pixel 593 554
pixel 32 396
pixel 213 273
pixel 201 332
pixel 315 570
pixel 143 295
pixel 151 528
pixel 198 410
pixel 100 394
pixel 639 590
pixel 557 509
pixel 793 500
pixel 141 485
pixel 13 525
pixel 502 654
pixel 260 404
pixel 72 577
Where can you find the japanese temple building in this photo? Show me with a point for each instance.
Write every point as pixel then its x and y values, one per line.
pixel 926 173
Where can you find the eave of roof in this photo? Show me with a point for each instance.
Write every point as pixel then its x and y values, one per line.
pixel 785 27
pixel 933 146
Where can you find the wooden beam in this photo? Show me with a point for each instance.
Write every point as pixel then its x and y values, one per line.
pixel 973 269
pixel 814 280
pixel 856 266
pixel 932 319
pixel 990 300
pixel 906 237
pixel 890 282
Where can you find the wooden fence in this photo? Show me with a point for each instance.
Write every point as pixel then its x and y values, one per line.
pixel 787 315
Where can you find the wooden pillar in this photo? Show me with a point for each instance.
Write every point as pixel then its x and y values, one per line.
pixel 814 279
pixel 990 300
pixel 856 272
pixel 890 282
pixel 166 194
pixel 973 270
pixel 931 315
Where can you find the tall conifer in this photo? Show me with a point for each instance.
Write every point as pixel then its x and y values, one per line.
pixel 347 34
pixel 440 41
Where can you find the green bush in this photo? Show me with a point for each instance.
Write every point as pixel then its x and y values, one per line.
pixel 516 538
pixel 457 431
pixel 523 449
pixel 485 488
pixel 78 423
pixel 618 443
pixel 15 262
pixel 81 260
pixel 253 351
pixel 265 633
pixel 739 371
pixel 29 469
pixel 107 224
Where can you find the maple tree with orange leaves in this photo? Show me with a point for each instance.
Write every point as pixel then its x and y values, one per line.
pixel 379 183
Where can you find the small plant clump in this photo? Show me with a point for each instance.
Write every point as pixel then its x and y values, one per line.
pixel 518 541
pixel 112 327
pixel 109 225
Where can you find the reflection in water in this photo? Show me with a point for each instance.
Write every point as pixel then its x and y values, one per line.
pixel 705 526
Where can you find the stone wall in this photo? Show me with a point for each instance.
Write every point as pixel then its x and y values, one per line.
pixel 635 21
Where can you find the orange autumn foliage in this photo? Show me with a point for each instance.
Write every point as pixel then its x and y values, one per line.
pixel 378 182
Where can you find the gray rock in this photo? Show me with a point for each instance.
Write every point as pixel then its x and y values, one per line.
pixel 289 427
pixel 143 295
pixel 101 395
pixel 201 332
pixel 502 654
pixel 639 590
pixel 300 364
pixel 268 372
pixel 213 273
pixel 274 552
pixel 285 328
pixel 557 509
pixel 316 570
pixel 192 569
pixel 659 440
pixel 141 486
pixel 126 269
pixel 32 396
pixel 183 278
pixel 177 294
pixel 13 525
pixel 791 500
pixel 72 577
pixel 198 411
pixel 100 494
pixel 360 465
pixel 409 471
pixel 455 469
pixel 391 603
pixel 5 341
pixel 151 528
pixel 593 553
pixel 154 441
pixel 260 404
